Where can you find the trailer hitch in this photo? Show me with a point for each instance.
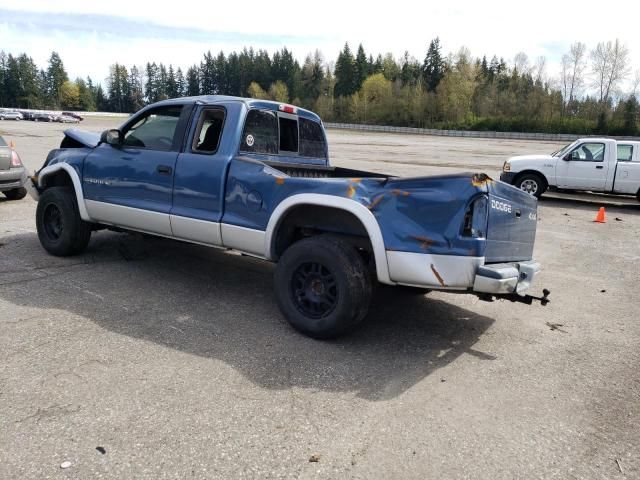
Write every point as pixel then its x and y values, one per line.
pixel 514 297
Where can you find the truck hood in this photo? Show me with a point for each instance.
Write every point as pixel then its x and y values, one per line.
pixel 531 158
pixel 88 139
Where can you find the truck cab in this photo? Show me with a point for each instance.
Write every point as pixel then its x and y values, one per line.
pixel 592 164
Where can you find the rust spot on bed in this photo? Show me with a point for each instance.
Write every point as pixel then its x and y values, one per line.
pixel 355 180
pixel 480 179
pixel 279 180
pixel 351 191
pixel 440 280
pixel 425 242
pixel 375 202
pixel 399 193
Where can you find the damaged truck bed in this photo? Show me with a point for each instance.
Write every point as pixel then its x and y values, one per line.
pixel 254 176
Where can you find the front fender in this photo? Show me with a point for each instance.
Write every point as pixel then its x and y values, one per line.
pixel 75 180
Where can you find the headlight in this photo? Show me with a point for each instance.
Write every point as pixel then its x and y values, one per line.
pixel 506 167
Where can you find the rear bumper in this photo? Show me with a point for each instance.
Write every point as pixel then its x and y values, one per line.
pixel 451 272
pixel 12 178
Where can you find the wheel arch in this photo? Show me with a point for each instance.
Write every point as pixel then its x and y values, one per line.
pixel 61 174
pixel 355 209
pixel 533 172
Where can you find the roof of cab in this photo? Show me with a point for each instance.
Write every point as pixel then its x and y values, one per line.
pixel 249 102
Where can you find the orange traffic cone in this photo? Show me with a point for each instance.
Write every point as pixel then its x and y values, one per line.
pixel 600 217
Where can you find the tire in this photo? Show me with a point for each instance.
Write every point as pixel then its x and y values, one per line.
pixel 531 183
pixel 16 193
pixel 61 231
pixel 323 286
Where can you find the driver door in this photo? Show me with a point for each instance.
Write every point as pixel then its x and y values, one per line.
pixel 583 168
pixel 130 185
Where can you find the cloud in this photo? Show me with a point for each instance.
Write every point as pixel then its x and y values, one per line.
pixel 91 35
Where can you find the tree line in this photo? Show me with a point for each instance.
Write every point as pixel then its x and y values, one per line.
pixel 442 91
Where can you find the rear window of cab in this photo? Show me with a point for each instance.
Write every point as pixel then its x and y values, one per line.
pixel 272 133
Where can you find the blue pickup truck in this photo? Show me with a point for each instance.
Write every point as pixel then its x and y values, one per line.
pixel 254 176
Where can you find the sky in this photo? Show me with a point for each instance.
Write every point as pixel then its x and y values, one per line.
pixel 90 36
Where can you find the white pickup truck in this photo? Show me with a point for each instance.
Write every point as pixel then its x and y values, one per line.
pixel 594 164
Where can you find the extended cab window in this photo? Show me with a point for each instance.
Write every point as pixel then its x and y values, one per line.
pixel 155 130
pixel 260 133
pixel 208 131
pixel 625 153
pixel 589 152
pixel 312 142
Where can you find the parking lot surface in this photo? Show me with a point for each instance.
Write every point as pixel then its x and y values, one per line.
pixel 148 358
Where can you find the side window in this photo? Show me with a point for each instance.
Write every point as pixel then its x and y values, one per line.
pixel 625 153
pixel 312 143
pixel 208 131
pixel 288 135
pixel 260 133
pixel 155 130
pixel 589 152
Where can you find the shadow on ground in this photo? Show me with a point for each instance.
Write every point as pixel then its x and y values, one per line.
pixel 586 201
pixel 219 305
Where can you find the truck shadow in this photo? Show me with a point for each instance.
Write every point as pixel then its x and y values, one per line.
pixel 219 305
pixel 591 202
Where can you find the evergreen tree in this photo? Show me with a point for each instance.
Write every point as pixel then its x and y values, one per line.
pixel 136 89
pixel 172 84
pixel 181 85
pixel 163 82
pixel 362 67
pixel 345 73
pixel 56 76
pixel 151 85
pixel 208 75
pixel 433 67
pixel 630 114
pixel 193 81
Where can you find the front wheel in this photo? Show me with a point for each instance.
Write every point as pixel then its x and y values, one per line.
pixel 323 286
pixel 16 193
pixel 531 183
pixel 61 231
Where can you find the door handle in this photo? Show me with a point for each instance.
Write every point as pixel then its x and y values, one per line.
pixel 599 167
pixel 164 169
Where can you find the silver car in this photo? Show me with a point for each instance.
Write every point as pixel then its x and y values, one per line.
pixel 12 173
pixel 8 115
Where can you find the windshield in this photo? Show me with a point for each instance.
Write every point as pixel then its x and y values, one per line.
pixel 563 150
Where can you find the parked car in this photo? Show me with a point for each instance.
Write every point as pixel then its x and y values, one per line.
pixel 254 176
pixel 65 119
pixel 42 117
pixel 73 115
pixel 10 115
pixel 26 114
pixel 12 173
pixel 593 164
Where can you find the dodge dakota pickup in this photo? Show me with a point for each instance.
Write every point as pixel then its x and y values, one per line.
pixel 593 164
pixel 254 176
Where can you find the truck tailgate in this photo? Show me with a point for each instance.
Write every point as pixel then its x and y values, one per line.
pixel 511 229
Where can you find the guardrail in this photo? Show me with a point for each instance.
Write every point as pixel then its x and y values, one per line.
pixel 559 137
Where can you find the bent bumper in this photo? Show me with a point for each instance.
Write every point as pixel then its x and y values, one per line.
pixel 12 178
pixel 451 272
pixel 507 177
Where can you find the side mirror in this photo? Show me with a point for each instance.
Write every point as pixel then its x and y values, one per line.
pixel 112 137
pixel 567 157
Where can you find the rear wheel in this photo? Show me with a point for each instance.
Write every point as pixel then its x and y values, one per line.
pixel 61 231
pixel 323 286
pixel 16 193
pixel 531 183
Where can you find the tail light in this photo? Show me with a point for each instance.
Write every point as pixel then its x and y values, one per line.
pixel 15 159
pixel 475 218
